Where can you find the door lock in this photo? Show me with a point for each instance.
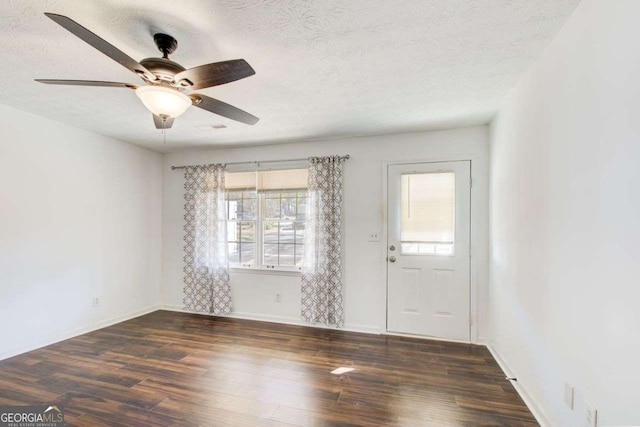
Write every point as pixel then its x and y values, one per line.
pixel 392 259
pixel 392 248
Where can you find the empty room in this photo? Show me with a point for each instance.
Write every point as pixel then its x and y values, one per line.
pixel 320 213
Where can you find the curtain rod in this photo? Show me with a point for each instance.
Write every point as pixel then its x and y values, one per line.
pixel 257 162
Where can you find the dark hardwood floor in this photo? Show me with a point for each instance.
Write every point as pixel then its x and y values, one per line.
pixel 175 369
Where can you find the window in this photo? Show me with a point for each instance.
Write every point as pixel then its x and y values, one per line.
pixel 428 213
pixel 266 212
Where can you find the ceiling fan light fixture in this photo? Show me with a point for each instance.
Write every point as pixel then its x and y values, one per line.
pixel 163 101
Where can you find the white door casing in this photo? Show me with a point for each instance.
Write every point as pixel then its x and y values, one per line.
pixel 428 279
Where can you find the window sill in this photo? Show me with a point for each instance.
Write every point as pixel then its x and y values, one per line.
pixel 268 271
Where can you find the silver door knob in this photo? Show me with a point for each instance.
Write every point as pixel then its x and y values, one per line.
pixel 392 259
pixel 392 248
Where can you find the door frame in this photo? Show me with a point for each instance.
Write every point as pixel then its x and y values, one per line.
pixel 473 274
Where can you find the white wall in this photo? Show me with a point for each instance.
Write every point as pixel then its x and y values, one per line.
pixel 80 217
pixel 365 277
pixel 565 211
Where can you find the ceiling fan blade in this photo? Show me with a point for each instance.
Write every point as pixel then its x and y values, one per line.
pixel 86 83
pixel 162 123
pixel 215 74
pixel 223 109
pixel 102 45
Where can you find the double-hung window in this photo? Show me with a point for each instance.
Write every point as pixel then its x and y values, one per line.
pixel 266 213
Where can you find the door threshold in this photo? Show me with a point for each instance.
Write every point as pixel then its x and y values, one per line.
pixel 424 337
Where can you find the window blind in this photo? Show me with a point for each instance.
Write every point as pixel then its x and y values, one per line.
pixel 273 180
pixel 428 207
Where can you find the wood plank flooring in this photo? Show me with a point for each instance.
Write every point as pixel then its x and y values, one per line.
pixel 176 369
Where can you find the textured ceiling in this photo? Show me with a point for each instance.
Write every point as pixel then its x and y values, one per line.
pixel 324 68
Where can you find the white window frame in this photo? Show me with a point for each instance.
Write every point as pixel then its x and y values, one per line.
pixel 259 239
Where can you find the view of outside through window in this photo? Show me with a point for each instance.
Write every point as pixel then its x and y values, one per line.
pixel 266 226
pixel 283 228
pixel 242 216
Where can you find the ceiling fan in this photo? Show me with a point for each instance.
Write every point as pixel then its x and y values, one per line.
pixel 168 84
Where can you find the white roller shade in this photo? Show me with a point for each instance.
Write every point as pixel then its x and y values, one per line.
pixel 273 180
pixel 428 207
pixel 240 180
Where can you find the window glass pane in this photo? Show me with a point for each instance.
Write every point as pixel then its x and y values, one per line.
pixel 299 254
pixel 234 254
pixel 428 212
pixel 247 253
pixel 233 207
pixel 272 207
pixel 249 209
pixel 270 232
pixel 444 249
pixel 299 232
pixel 248 231
pixel 288 207
pixel 270 254
pixel 286 232
pixel 233 231
pixel 301 210
pixel 286 255
pixel 249 195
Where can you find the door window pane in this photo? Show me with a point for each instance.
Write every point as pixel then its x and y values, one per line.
pixel 427 224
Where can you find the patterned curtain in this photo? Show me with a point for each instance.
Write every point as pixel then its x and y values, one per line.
pixel 206 262
pixel 322 266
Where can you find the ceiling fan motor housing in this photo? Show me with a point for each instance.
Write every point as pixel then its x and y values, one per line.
pixel 163 68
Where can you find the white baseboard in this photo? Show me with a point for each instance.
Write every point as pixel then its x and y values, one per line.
pixel 75 332
pixel 425 337
pixel 526 397
pixel 284 320
pixel 482 341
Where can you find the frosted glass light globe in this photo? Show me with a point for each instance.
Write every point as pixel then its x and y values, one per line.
pixel 163 101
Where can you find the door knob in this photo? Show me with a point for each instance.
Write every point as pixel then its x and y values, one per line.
pixel 392 248
pixel 392 259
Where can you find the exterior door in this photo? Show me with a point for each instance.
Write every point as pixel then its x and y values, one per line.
pixel 428 249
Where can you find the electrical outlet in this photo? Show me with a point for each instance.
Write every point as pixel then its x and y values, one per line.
pixel 568 395
pixel 374 235
pixel 96 301
pixel 590 416
pixel 278 297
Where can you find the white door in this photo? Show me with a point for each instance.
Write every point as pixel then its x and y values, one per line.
pixel 428 249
